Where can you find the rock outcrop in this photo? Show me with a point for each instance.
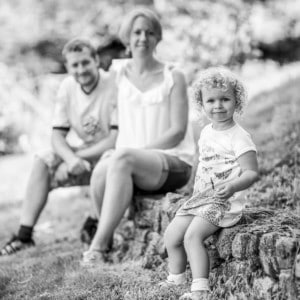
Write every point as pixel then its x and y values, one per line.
pixel 256 259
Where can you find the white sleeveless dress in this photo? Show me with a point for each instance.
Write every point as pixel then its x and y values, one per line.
pixel 144 116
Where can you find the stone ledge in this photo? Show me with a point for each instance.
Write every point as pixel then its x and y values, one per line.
pixel 256 259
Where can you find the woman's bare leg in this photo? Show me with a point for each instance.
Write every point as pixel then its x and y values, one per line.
pixel 127 166
pixel 97 184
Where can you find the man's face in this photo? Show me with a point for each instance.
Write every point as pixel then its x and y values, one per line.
pixel 83 66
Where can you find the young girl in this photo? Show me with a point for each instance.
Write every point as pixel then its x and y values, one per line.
pixel 227 166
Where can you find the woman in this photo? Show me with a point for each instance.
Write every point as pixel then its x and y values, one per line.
pixel 154 150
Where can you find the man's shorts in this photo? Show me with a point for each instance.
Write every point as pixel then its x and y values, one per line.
pixel 53 161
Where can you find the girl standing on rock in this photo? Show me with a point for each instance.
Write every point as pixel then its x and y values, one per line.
pixel 227 166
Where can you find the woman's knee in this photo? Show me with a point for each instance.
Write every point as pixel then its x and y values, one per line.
pixel 122 159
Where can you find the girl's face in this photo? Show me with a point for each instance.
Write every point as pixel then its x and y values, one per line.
pixel 143 39
pixel 219 106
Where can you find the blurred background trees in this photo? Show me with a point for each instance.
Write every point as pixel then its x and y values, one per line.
pixel 197 34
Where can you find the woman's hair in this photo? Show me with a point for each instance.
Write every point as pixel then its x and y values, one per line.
pixel 78 45
pixel 127 23
pixel 221 78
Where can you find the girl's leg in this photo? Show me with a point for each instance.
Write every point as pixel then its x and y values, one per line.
pixel 194 238
pixel 127 166
pixel 173 238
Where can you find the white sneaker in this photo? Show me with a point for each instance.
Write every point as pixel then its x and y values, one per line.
pixel 196 295
pixel 168 284
pixel 173 280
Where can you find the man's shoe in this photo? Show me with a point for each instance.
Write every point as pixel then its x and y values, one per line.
pixel 14 245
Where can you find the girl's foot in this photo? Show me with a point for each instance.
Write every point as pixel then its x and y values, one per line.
pixel 169 284
pixel 196 295
pixel 173 280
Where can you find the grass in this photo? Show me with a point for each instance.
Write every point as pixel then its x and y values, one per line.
pixel 54 272
pixel 51 270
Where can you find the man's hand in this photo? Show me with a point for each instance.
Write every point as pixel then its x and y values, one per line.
pixel 61 173
pixel 225 191
pixel 77 166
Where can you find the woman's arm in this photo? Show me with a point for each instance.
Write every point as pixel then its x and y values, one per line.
pixel 249 166
pixel 178 114
pixel 95 151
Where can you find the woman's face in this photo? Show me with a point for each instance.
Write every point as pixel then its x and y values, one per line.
pixel 143 39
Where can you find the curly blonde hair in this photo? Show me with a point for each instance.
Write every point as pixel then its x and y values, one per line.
pixel 221 78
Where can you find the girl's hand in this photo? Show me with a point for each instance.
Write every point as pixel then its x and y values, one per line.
pixel 225 191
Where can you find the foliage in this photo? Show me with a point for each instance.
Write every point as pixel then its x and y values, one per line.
pixel 276 129
pixel 193 32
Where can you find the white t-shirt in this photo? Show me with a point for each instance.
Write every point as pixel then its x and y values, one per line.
pixel 218 154
pixel 89 117
pixel 144 116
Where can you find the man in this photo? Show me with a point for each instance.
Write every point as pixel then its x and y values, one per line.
pixel 85 107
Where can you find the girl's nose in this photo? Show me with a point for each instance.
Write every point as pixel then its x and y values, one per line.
pixel 218 103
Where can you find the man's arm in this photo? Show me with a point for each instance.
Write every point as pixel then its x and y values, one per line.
pixel 76 165
pixel 95 151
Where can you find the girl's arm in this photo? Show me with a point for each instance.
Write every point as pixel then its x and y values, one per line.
pixel 249 166
pixel 179 115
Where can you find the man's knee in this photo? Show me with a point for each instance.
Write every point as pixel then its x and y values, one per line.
pixel 40 168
